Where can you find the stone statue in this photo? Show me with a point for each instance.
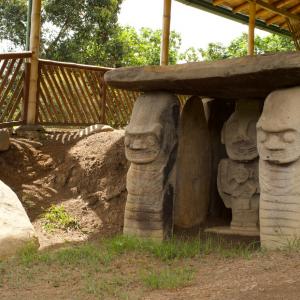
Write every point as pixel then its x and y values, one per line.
pixel 239 131
pixel 193 167
pixel 239 188
pixel 151 147
pixel 237 182
pixel 278 134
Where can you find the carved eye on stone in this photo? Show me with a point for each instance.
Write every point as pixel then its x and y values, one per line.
pixel 127 141
pixel 261 136
pixel 151 140
pixel 289 137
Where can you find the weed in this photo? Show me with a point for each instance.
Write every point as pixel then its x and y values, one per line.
pixel 56 217
pixel 168 278
pixel 179 249
pixel 104 287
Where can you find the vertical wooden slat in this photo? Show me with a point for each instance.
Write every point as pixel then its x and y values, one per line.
pixel 26 91
pixel 81 114
pixel 54 95
pixel 92 111
pixel 61 94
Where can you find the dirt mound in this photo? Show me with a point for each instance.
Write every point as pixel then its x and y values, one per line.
pixel 86 177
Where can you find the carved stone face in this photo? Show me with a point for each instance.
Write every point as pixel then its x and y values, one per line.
pixel 239 132
pixel 143 147
pixel 152 128
pixel 278 130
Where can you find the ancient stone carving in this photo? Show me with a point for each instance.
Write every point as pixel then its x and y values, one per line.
pixel 238 176
pixel 278 133
pixel 193 166
pixel 239 132
pixel 151 147
pixel 239 188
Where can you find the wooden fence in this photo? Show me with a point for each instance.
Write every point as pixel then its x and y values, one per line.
pixel 68 94
pixel 14 75
pixel 72 94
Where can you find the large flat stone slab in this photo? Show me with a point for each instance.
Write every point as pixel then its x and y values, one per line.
pixel 15 227
pixel 246 77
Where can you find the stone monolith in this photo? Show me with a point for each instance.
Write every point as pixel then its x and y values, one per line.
pixel 278 135
pixel 193 166
pixel 151 146
pixel 239 188
pixel 239 131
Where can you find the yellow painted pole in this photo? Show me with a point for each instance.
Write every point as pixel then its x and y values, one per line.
pixel 35 48
pixel 165 41
pixel 251 33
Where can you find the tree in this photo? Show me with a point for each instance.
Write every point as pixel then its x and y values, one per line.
pixel 143 47
pixel 73 30
pixel 238 47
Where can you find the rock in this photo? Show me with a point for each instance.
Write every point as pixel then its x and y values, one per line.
pixel 278 138
pixel 193 166
pixel 151 147
pixel 16 231
pixel 4 140
pixel 251 77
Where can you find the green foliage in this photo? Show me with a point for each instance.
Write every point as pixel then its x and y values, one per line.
pixel 13 21
pixel 168 278
pixel 56 217
pixel 143 47
pixel 75 30
pixel 238 48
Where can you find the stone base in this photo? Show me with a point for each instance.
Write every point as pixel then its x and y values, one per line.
pixel 4 140
pixel 30 131
pixel 226 230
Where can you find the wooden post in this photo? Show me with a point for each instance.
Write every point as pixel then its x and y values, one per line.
pixel 28 25
pixel 164 58
pixel 251 33
pixel 35 48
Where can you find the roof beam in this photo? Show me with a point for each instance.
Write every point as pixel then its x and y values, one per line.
pixel 272 8
pixel 277 18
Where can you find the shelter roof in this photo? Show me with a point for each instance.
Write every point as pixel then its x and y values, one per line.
pixel 277 16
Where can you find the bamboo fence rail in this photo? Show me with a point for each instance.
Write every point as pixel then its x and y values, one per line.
pixel 68 94
pixel 72 94
pixel 14 75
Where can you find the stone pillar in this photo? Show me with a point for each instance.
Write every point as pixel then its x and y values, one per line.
pixel 278 135
pixel 193 167
pixel 238 183
pixel 151 147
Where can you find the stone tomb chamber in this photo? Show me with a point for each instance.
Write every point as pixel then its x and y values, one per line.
pixel 227 160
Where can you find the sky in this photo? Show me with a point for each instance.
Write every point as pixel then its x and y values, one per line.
pixel 197 28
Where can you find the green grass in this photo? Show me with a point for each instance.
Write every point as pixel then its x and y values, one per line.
pixel 56 217
pixel 168 278
pixel 119 267
pixel 180 249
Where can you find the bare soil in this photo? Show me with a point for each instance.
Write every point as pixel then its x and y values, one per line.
pixel 87 177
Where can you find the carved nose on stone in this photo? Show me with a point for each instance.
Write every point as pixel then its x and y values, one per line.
pixel 137 144
pixel 274 143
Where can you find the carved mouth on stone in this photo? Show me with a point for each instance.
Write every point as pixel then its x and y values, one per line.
pixel 243 147
pixel 141 156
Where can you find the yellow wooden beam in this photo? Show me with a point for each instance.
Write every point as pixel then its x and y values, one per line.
pixel 251 33
pixel 35 48
pixel 164 58
pixel 279 11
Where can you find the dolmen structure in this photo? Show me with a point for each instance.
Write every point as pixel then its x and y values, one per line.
pixel 170 180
